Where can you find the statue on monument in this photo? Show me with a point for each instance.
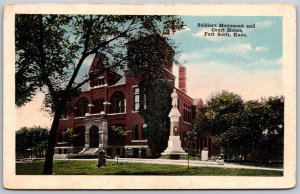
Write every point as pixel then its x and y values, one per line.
pixel 174 97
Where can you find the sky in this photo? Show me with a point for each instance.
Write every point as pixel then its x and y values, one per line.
pixel 249 66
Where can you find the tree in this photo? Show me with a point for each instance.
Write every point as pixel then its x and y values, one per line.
pixel 241 127
pixel 222 110
pixel 158 95
pixel 50 51
pixel 148 57
pixel 34 138
pixel 273 127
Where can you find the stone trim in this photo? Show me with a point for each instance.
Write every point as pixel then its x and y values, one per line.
pixel 140 140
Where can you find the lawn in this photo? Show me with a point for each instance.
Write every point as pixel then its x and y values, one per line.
pixel 112 168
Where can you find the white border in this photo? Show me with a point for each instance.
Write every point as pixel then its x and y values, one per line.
pixel 10 180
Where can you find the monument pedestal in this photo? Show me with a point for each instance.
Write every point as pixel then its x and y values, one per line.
pixel 174 146
pixel 174 143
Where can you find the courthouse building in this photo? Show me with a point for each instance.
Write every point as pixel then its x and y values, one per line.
pixel 113 99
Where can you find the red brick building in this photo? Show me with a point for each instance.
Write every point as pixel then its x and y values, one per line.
pixel 113 101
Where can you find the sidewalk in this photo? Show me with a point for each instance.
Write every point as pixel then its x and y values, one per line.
pixel 192 163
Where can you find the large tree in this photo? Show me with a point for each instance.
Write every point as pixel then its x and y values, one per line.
pixel 150 57
pixel 51 49
pixel 221 111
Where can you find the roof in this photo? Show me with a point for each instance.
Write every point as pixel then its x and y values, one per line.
pixel 197 101
pixel 121 81
pixel 96 61
pixel 183 93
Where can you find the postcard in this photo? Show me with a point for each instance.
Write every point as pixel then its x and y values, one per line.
pixel 149 96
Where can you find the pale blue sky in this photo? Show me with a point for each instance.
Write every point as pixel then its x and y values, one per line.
pixel 250 66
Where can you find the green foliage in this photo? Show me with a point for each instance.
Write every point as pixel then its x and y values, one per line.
pixel 243 127
pixel 112 168
pixel 31 138
pixel 50 49
pixel 148 57
pixel 221 111
pixel 42 53
pixel 158 106
pixel 69 134
pixel 120 130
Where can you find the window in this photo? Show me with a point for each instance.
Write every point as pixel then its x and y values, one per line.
pixel 82 107
pixel 187 113
pixel 136 92
pixel 145 102
pixel 135 132
pixel 98 106
pixel 100 81
pixel 118 103
pixel 79 137
pixel 144 131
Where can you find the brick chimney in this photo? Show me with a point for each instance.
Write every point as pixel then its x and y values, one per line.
pixel 182 78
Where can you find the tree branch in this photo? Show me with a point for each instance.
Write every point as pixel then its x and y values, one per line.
pixel 83 56
pixel 44 74
pixel 112 39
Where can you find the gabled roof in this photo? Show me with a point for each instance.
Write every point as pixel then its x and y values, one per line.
pixel 96 62
pixel 198 101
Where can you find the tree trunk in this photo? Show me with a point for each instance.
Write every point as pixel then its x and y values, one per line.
pixel 48 166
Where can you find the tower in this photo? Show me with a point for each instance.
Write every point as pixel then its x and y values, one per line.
pixel 182 78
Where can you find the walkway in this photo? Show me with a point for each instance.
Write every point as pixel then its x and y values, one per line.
pixel 194 163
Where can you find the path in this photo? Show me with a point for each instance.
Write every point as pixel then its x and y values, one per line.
pixel 194 163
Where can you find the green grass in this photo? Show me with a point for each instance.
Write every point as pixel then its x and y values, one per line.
pixel 112 168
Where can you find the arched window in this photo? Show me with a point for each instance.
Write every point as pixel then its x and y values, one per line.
pixel 82 107
pixel 94 137
pixel 78 139
pixel 118 103
pixel 135 132
pixel 144 131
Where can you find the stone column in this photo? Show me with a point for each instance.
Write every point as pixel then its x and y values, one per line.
pixel 106 107
pixel 90 108
pixel 87 138
pixel 87 132
pixel 103 134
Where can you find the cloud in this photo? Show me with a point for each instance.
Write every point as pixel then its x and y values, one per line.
pixel 240 49
pixel 188 57
pixel 261 49
pixel 263 24
pixel 267 63
pixel 183 30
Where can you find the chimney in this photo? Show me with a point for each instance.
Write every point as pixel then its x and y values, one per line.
pixel 182 78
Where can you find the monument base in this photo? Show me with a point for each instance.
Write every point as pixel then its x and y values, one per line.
pixel 174 147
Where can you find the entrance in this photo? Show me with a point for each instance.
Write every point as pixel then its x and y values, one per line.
pixel 94 137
